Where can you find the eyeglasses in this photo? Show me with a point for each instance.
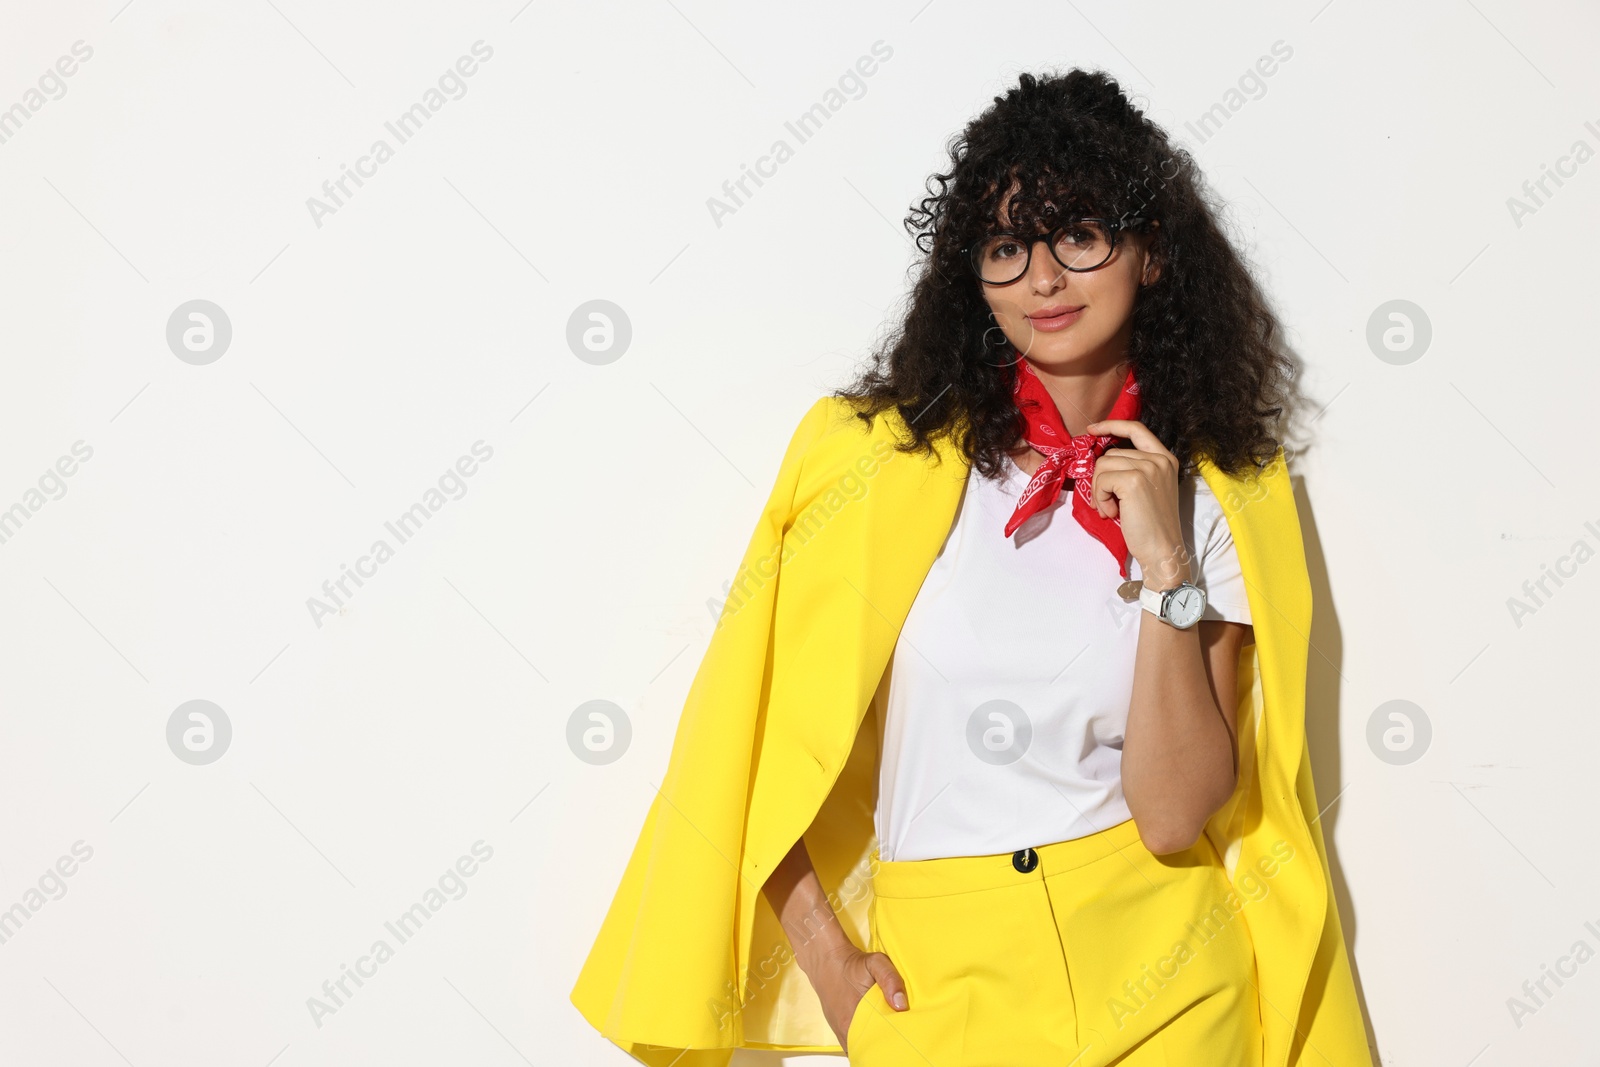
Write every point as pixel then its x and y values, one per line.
pixel 1077 244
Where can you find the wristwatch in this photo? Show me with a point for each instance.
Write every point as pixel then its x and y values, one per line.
pixel 1180 606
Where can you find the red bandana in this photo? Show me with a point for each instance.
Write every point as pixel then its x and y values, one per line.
pixel 1067 458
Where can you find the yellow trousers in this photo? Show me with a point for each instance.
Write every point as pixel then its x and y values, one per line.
pixel 1081 953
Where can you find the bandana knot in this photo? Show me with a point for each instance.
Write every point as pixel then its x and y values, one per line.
pixel 1081 456
pixel 1067 458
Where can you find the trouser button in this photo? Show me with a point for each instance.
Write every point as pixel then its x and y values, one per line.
pixel 1025 860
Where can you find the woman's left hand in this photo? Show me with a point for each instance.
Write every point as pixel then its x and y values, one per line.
pixel 1140 485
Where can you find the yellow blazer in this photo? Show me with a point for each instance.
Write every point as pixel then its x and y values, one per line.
pixel 775 742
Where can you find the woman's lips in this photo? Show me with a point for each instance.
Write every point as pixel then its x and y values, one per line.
pixel 1058 319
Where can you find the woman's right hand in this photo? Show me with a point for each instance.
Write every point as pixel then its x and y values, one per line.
pixel 839 971
pixel 845 977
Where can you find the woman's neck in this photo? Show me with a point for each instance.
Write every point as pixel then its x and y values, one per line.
pixel 1080 398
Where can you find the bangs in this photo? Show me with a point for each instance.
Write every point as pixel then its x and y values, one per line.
pixel 1036 194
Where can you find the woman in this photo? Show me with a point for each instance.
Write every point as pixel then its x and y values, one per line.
pixel 997 754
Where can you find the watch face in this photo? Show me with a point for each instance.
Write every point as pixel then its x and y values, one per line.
pixel 1185 606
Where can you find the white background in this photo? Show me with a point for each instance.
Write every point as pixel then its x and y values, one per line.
pixel 430 312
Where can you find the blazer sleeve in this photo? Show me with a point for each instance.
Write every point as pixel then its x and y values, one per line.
pixel 664 957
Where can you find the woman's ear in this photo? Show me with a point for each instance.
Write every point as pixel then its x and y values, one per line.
pixel 1152 263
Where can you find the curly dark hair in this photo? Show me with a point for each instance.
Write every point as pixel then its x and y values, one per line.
pixel 1210 377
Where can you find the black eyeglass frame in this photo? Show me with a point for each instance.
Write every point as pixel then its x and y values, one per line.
pixel 1113 228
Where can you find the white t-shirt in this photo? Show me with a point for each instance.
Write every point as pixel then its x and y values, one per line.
pixel 1012 677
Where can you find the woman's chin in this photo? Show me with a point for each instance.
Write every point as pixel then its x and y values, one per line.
pixel 1060 353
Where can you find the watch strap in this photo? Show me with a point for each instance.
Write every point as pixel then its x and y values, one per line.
pixel 1151 599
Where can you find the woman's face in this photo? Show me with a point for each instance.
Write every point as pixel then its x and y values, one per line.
pixel 1093 334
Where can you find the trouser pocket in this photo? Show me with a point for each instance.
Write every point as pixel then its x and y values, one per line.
pixel 984 981
pixel 1150 940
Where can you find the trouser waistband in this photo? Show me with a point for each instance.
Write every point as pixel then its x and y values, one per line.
pixel 964 874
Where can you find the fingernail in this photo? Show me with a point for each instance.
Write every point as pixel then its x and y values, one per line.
pixel 900 1001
